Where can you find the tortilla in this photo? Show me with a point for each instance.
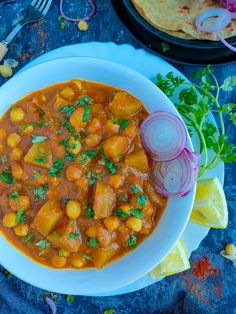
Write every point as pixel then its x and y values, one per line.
pixel 177 17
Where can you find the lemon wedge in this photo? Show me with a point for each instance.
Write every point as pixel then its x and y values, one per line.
pixel 210 206
pixel 175 262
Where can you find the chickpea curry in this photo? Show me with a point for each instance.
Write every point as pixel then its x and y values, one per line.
pixel 75 185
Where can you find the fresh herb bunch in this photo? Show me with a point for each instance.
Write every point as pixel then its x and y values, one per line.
pixel 194 102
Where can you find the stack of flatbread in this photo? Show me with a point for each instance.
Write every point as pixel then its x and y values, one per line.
pixel 177 17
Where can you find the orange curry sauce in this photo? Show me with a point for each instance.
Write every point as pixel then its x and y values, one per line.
pixel 75 186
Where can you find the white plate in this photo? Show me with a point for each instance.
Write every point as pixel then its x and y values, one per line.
pixel 148 65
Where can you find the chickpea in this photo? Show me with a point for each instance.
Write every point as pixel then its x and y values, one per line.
pixel 77 261
pixel 16 154
pixel 230 250
pixel 73 173
pixel 3 134
pixel 28 129
pixel 73 209
pixel 13 140
pixel 116 181
pixel 126 208
pixel 75 146
pixel 112 223
pixel 23 202
pixel 17 171
pixel 134 224
pixel 21 230
pixel 65 253
pixel 17 114
pixel 9 220
pixel 58 261
pixel 68 93
pixel 94 126
pixel 76 119
pixel 93 140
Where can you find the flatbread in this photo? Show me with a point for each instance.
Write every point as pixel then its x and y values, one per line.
pixel 177 17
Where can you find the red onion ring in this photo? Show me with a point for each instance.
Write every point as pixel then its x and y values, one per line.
pixel 176 177
pixel 213 21
pixel 229 4
pixel 86 18
pixel 52 304
pixel 164 136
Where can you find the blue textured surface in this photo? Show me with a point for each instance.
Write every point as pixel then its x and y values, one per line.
pixel 182 293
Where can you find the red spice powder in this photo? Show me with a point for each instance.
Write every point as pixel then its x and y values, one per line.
pixel 203 268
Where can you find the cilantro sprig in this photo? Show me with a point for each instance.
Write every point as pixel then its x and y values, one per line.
pixel 194 102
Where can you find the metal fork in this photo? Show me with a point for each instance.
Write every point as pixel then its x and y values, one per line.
pixel 35 11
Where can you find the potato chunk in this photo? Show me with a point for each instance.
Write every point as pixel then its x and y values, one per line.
pixel 103 255
pixel 39 155
pixel 104 200
pixel 76 119
pixel 125 105
pixel 47 217
pixel 66 237
pixel 138 160
pixel 158 200
pixel 115 146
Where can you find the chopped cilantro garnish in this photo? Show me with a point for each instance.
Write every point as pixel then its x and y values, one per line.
pixel 136 189
pixel 60 253
pixel 7 274
pixel 92 177
pixel 132 241
pixel 109 311
pixel 164 46
pixel 87 113
pixel 70 298
pixel 4 159
pixel 36 174
pixel 108 163
pixel 40 159
pixel 91 153
pixel 56 169
pixel 63 25
pixel 14 196
pixel 68 110
pixel 83 101
pixel 38 138
pixel 68 126
pixel 93 242
pixel 70 156
pixel 65 200
pixel 123 197
pixel 141 200
pixel 89 211
pixel 7 177
pixel 123 123
pixel 84 159
pixel 40 192
pixel 40 253
pixel 43 243
pixel 87 257
pixel 119 213
pixel 20 217
pixel 137 213
pixel 58 131
pixel 73 235
pixel 29 238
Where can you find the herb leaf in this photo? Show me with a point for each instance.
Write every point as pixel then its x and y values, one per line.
pixel 73 235
pixel 36 175
pixel 40 159
pixel 141 200
pixel 43 244
pixel 20 217
pixel 119 213
pixel 132 241
pixel 40 192
pixel 137 213
pixel 38 138
pixel 29 238
pixel 89 211
pixel 14 196
pixel 7 177
pixel 56 169
pixel 123 123
pixel 87 115
pixel 93 242
pixel 108 163
pixel 70 156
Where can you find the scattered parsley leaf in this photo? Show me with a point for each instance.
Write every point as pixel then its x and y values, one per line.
pixel 164 46
pixel 108 163
pixel 132 241
pixel 38 139
pixel 14 196
pixel 56 169
pixel 109 311
pixel 36 175
pixel 70 298
pixel 87 113
pixel 123 123
pixel 40 159
pixel 84 101
pixel 4 159
pixel 92 177
pixel 29 238
pixel 229 83
pixel 136 189
pixel 136 213
pixel 7 177
pixel 91 153
pixel 119 213
pixel 65 200
pixel 43 244
pixel 89 211
pixel 70 156
pixel 141 200
pixel 93 242
pixel 40 192
pixel 56 234
pixel 20 217
pixel 68 110
pixel 73 235
pixel 87 257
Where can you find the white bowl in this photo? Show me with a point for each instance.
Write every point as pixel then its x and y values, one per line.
pixel 172 224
